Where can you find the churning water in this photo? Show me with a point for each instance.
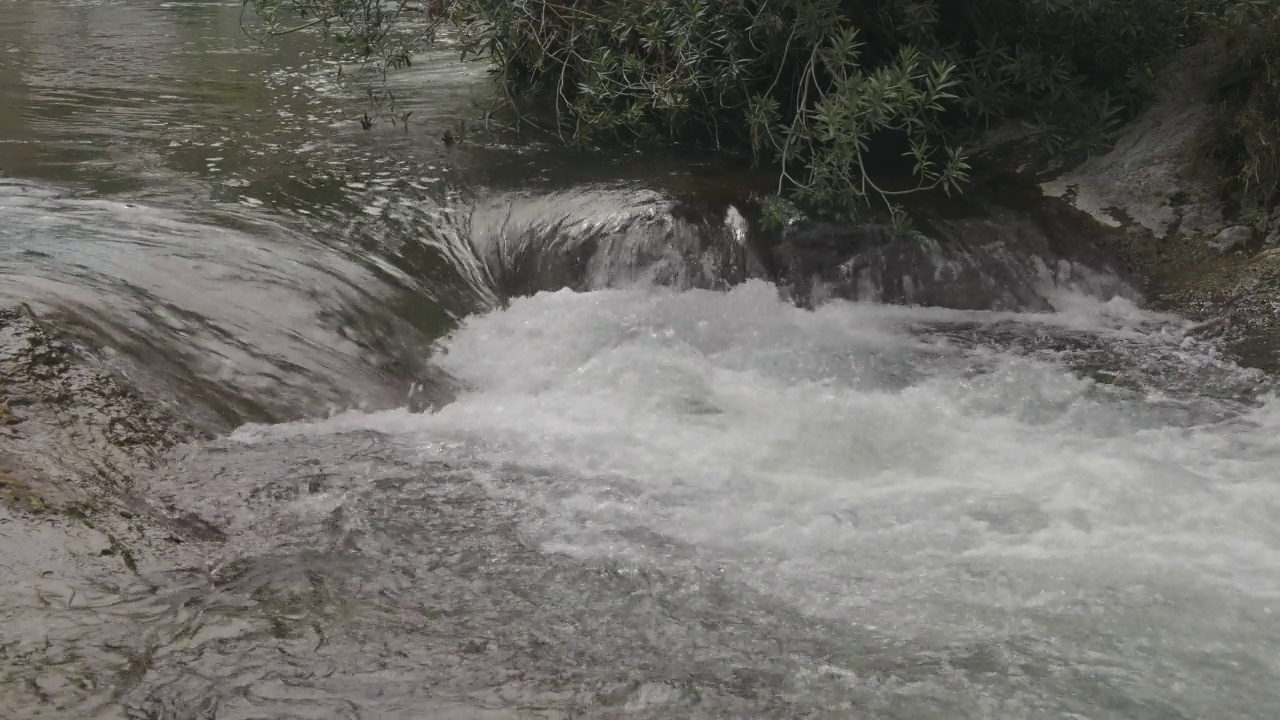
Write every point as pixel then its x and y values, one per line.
pixel 554 453
pixel 655 500
pixel 707 504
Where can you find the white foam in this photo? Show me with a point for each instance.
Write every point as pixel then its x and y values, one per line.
pixel 853 466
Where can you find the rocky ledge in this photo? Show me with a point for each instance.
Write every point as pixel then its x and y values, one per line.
pixel 78 539
pixel 1161 212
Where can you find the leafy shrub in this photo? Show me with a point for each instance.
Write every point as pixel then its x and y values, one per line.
pixel 856 101
pixel 1247 141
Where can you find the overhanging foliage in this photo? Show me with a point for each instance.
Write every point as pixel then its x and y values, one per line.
pixel 823 88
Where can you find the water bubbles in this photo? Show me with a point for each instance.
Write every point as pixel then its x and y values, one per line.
pixel 655 500
pixel 853 474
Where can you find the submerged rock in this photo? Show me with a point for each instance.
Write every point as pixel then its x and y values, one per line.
pixel 68 419
pixel 74 438
pixel 1232 239
pixel 77 532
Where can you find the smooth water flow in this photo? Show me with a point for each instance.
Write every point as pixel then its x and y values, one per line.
pixel 480 431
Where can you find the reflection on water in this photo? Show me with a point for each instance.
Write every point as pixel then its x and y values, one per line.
pixel 103 91
pixel 168 98
pixel 212 207
pixel 172 99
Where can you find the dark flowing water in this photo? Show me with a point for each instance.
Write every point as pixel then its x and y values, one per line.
pixel 486 430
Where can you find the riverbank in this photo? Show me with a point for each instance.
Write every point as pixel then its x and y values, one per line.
pixel 1159 210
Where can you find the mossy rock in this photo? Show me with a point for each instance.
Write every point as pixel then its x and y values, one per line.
pixel 17 496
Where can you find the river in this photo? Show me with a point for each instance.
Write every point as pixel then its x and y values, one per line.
pixel 479 429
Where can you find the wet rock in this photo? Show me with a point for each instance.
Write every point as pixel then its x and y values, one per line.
pixel 1152 186
pixel 997 258
pixel 1273 238
pixel 49 685
pixel 867 264
pixel 72 412
pixel 76 530
pixel 1232 239
pixel 1144 178
pixel 73 437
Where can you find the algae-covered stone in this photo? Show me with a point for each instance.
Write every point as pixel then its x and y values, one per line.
pixel 19 497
